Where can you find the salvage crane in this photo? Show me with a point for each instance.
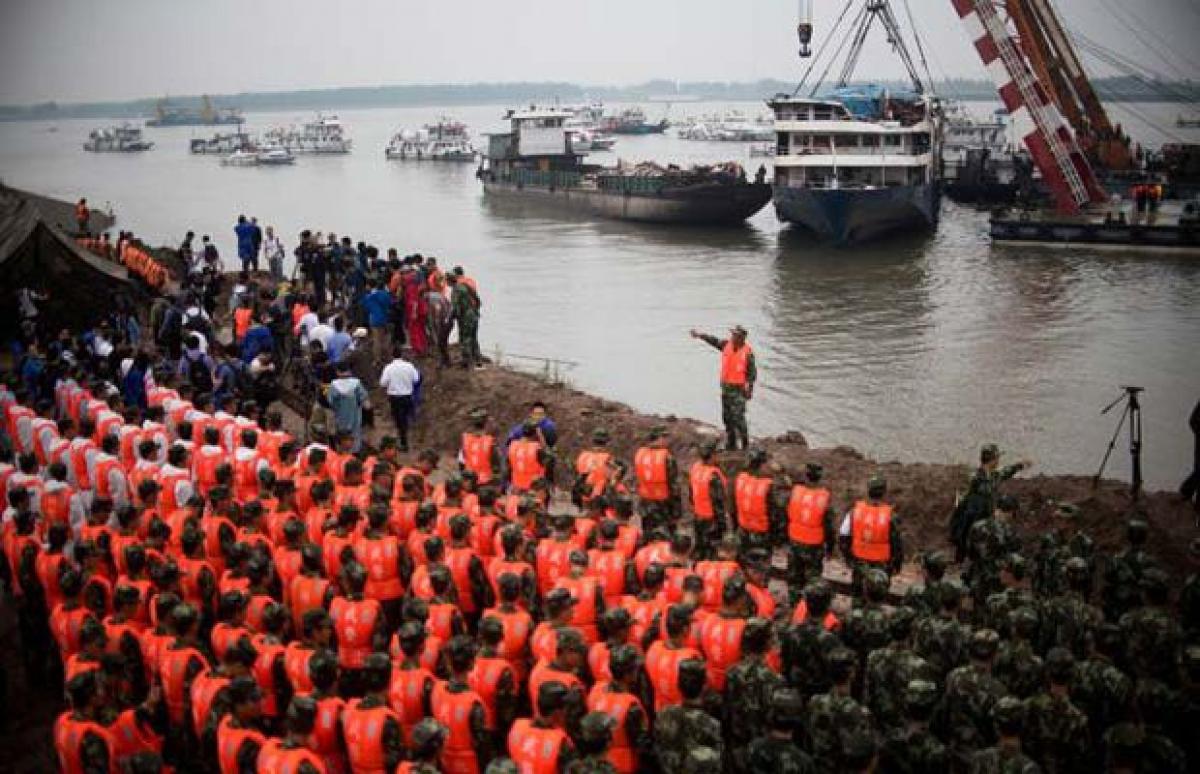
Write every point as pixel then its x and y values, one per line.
pixel 1040 79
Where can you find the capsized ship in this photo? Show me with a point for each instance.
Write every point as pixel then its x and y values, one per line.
pixel 536 160
pixel 858 162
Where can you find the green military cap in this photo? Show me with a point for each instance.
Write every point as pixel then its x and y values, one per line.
pixel 1023 620
pixel 900 623
pixel 984 643
pixel 1008 711
pixel 596 727
pixel 1007 503
pixel 933 561
pixel 921 694
pixel 952 591
pixel 877 483
pixel 756 456
pixel 841 657
pixel 708 446
pixel 702 760
pixel 757 558
pixel 478 413
pixel 814 469
pixel 1125 739
pixel 600 435
pixel 989 452
pixel 1068 510
pixel 876 580
pixel 428 734
pixel 1059 664
pixel 656 431
pixel 1155 580
pixel 858 747
pixel 787 704
pixel 1136 529
pixel 623 657
pixel 692 669
pixel 738 330
pixel 570 639
pixel 1016 564
pixel 559 599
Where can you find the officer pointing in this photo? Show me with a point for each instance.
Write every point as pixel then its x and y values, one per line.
pixel 738 373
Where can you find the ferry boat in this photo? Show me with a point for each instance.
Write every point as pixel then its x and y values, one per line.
pixel 221 143
pixel 125 138
pixel 324 134
pixel 631 121
pixel 535 160
pixel 859 162
pixel 446 140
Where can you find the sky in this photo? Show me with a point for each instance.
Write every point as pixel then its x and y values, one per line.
pixel 90 50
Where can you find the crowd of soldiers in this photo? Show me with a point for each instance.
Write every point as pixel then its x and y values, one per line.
pixel 215 595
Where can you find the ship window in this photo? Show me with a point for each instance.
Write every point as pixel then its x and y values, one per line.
pixel 892 140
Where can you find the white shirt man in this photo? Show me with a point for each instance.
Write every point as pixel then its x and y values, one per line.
pixel 399 378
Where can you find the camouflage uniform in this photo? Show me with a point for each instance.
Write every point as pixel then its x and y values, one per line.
pixel 805 648
pixel 999 607
pixel 771 755
pixel 681 728
pixel 988 544
pixel 464 305
pixel 748 689
pixel 979 502
pixel 1019 668
pixel 1002 760
pixel 1069 621
pixel 733 400
pixel 1049 566
pixel 925 599
pixel 1153 642
pixel 1056 734
pixel 941 641
pixel 591 764
pixel 866 630
pixel 663 513
pixel 831 715
pixel 1101 691
pixel 964 717
pixel 888 673
pixel 1122 576
pixel 1189 608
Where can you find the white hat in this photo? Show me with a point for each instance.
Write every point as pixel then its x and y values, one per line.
pixel 360 333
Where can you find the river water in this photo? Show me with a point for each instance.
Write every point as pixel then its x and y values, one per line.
pixel 915 349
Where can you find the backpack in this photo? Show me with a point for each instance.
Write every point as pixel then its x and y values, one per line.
pixel 199 375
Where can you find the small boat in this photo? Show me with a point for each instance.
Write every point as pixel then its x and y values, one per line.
pixel 125 138
pixel 447 140
pixel 274 156
pixel 631 121
pixel 221 143
pixel 585 140
pixel 240 158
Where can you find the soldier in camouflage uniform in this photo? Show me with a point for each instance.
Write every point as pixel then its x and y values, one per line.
pixel 683 727
pixel 1123 572
pixel 1101 690
pixel 980 500
pixel 776 751
pixel 808 561
pixel 1018 665
pixel 989 542
pixel 1005 757
pixel 749 686
pixel 1153 638
pixel 925 599
pixel 912 748
pixel 734 396
pixel 963 717
pixel 876 491
pixel 1016 594
pixel 866 628
pixel 890 670
pixel 1069 620
pixel 1159 753
pixel 661 513
pixel 807 645
pixel 702 760
pixel 464 309
pixel 942 639
pixel 777 497
pixel 835 712
pixel 1056 732
pixel 595 735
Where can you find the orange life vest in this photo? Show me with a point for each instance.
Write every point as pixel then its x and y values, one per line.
pixel 205 688
pixel 324 737
pixel 751 494
pixel 652 479
pixel 721 641
pixel 274 758
pixel 518 625
pixel 553 559
pixel 593 466
pixel 477 455
pixel 662 665
pixel 535 750
pixel 172 667
pixel 242 316
pixel 806 515
pixel 69 734
pixel 380 556
pixel 617 706
pixel 230 741
pixel 700 479
pixel 523 461
pixel 608 566
pixel 354 622
pixel 307 593
pixel 484 679
pixel 734 364
pixel 453 710
pixel 406 695
pixel 363 731
pixel 870 532
pixel 458 559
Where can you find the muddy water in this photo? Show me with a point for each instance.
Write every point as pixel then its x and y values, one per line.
pixel 916 349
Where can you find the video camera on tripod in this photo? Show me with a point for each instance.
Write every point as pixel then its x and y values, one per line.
pixel 1133 413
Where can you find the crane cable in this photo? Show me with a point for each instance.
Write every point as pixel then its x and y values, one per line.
pixel 837 52
pixel 825 44
pixel 1158 46
pixel 912 22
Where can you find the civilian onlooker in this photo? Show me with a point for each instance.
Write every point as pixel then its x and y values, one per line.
pixel 401 381
pixel 245 244
pixel 378 305
pixel 347 399
pixel 273 251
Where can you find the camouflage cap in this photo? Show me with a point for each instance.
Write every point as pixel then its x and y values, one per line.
pixel 877 483
pixel 501 766
pixel 1007 503
pixel 787 705
pixel 814 470
pixel 1077 566
pixel 876 581
pixel 757 558
pixel 656 431
pixel 934 560
pixel 1137 529
pixel 984 643
pixel 858 747
pixel 989 452
pixel 601 435
pixel 1067 510
pixel 1125 738
pixel 708 446
pixel 756 456
pixel 428 734
pixel 1009 711
pixel 596 727
pixel 1060 664
pixel 921 694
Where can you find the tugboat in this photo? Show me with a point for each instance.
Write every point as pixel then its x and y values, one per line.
pixel 631 121
pixel 535 160
pixel 859 162
pixel 117 139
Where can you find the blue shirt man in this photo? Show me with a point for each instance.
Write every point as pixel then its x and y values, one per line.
pixel 378 306
pixel 245 242
pixel 538 416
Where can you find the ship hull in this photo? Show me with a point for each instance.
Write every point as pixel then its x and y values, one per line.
pixel 850 216
pixel 696 205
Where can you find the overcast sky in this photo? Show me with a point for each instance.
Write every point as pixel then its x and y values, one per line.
pixel 88 50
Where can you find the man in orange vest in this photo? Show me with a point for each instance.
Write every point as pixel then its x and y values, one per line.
pixel 529 458
pixel 870 535
pixel 81 742
pixel 461 710
pixel 758 503
pixel 810 530
pixel 593 470
pixel 479 452
pixel 738 374
pixel 541 745
pixel 657 481
pixel 374 739
pixel 707 486
pixel 82 216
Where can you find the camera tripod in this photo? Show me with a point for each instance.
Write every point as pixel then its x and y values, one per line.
pixel 1133 413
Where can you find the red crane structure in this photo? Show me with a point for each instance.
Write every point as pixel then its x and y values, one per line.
pixel 1040 79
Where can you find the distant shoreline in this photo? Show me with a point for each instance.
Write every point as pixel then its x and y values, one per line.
pixel 511 94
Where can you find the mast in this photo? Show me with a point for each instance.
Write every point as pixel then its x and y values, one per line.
pixel 1030 96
